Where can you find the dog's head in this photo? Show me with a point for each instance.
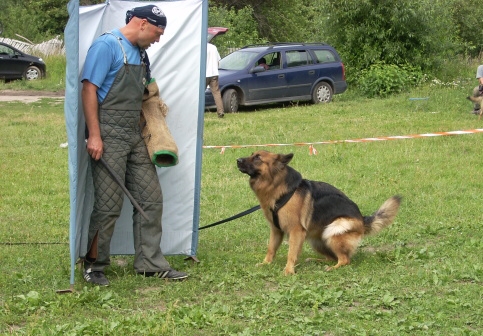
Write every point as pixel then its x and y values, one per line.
pixel 263 164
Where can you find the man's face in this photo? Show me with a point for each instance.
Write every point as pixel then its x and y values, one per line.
pixel 149 35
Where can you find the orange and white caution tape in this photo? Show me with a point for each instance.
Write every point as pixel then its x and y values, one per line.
pixel 313 151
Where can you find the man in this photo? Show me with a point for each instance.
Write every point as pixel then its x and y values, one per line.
pixel 263 62
pixel 212 60
pixel 114 78
pixel 478 91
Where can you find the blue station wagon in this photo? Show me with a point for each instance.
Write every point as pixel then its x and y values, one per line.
pixel 280 72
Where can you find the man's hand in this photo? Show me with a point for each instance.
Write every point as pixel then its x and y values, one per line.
pixel 95 147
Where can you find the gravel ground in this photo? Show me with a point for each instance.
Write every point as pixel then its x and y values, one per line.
pixel 28 96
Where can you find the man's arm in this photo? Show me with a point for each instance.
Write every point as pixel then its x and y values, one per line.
pixel 89 102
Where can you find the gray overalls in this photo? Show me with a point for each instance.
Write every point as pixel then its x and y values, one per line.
pixel 125 151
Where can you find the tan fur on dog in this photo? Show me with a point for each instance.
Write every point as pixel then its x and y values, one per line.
pixel 477 100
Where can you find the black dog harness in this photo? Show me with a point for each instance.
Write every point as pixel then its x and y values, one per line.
pixel 279 204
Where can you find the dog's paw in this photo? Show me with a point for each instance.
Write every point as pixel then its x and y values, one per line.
pixel 289 271
pixel 329 268
pixel 263 263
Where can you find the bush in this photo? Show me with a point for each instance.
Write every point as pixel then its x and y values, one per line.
pixel 381 80
pixel 466 15
pixel 415 32
pixel 241 24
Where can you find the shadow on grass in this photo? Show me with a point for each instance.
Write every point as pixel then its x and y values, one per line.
pixel 263 107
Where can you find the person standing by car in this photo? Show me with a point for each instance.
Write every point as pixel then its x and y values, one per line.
pixel 115 73
pixel 478 91
pixel 212 61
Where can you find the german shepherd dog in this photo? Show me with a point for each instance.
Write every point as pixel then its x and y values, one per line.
pixel 477 100
pixel 309 210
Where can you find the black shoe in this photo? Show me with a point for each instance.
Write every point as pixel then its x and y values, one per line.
pixel 170 275
pixel 95 277
pixel 221 115
pixel 476 112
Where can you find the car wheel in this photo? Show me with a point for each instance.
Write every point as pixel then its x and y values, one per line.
pixel 322 93
pixel 230 100
pixel 32 73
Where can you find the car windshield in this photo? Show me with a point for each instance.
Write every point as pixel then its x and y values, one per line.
pixel 237 60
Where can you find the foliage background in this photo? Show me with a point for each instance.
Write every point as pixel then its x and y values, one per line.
pixel 429 36
pixel 36 20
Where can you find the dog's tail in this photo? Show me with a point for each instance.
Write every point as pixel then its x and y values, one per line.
pixel 382 217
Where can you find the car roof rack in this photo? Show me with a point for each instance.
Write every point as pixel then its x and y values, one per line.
pixel 281 44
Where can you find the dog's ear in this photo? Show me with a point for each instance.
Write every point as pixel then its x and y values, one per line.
pixel 285 159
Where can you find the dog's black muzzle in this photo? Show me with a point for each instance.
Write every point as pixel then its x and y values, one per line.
pixel 245 167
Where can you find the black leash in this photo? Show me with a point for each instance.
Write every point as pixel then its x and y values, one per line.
pixel 278 205
pixel 241 214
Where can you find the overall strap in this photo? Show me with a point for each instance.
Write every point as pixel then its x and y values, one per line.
pixel 120 44
pixel 142 55
pixel 128 87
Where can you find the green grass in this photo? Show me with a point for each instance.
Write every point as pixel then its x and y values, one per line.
pixel 421 276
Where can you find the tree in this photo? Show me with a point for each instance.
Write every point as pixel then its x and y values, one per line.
pixel 291 21
pixel 241 24
pixel 36 20
pixel 281 20
pixel 397 32
pixel 467 16
pixel 51 15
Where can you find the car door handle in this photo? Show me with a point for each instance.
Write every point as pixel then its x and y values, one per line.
pixel 311 72
pixel 281 76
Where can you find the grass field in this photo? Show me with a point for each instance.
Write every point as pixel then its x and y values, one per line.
pixel 421 276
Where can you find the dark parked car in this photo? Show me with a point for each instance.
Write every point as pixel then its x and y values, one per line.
pixel 15 64
pixel 291 72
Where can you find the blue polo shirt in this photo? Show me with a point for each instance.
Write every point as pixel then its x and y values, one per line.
pixel 105 58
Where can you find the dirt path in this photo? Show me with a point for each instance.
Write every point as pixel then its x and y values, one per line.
pixel 29 96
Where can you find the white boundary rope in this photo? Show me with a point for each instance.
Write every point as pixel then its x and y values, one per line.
pixel 313 151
